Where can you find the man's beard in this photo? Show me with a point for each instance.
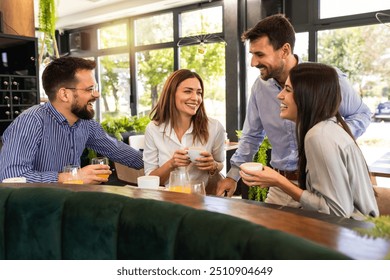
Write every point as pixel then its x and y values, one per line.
pixel 268 73
pixel 82 112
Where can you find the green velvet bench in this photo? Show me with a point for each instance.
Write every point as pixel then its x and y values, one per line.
pixel 50 223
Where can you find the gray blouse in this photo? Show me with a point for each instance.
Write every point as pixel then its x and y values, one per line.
pixel 337 179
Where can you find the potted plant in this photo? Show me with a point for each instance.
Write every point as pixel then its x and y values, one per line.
pixel 263 156
pixel 122 127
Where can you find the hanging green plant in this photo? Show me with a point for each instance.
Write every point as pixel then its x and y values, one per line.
pixel 47 25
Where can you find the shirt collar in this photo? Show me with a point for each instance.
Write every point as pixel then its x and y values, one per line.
pixel 172 135
pixel 168 127
pixel 57 115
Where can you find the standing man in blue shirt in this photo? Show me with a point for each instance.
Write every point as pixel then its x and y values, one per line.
pixel 272 47
pixel 45 138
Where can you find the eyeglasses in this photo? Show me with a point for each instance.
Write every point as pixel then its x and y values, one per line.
pixel 91 90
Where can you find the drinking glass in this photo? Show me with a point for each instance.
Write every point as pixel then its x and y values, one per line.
pixel 101 160
pixel 178 182
pixel 73 174
pixel 198 188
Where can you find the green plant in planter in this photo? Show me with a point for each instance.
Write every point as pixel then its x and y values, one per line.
pixel 139 123
pixel 118 125
pixel 115 126
pixel 255 192
pixel 239 133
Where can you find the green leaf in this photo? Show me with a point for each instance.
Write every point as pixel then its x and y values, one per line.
pixel 256 192
pixel 118 125
pixel 381 229
pixel 47 16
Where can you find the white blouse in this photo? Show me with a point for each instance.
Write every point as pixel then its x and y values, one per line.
pixel 160 147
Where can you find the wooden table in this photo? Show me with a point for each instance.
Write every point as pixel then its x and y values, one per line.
pixel 332 232
pixel 231 146
pixel 381 167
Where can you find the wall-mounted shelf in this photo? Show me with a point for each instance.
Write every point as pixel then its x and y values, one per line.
pixel 19 88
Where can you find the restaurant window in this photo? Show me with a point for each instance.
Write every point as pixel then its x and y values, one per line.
pixel 363 53
pixel 202 49
pixel 350 7
pixel 114 85
pixel 204 53
pixel 112 36
pixel 153 68
pixel 302 45
pixel 366 64
pixel 154 30
pixel 201 21
pixel 210 65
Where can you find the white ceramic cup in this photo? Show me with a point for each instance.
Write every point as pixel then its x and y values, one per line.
pixel 148 182
pixel 251 166
pixel 15 180
pixel 194 153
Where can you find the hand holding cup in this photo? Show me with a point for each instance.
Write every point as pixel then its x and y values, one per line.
pixel 195 152
pixel 251 166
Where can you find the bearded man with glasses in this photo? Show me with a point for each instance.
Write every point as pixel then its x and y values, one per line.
pixel 45 138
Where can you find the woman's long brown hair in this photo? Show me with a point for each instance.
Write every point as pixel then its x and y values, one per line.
pixel 318 96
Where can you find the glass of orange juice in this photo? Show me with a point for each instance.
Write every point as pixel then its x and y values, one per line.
pixel 101 160
pixel 73 175
pixel 178 182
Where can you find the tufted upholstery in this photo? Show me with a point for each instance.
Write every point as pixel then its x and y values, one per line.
pixel 49 223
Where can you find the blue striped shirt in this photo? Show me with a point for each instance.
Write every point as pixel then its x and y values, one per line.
pixel 40 142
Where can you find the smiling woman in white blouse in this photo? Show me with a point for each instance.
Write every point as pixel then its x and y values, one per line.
pixel 179 121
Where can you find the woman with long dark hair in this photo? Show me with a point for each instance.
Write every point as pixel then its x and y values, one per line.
pixel 333 175
pixel 179 121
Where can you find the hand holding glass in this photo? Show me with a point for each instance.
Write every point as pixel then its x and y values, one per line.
pixel 73 175
pixel 101 160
